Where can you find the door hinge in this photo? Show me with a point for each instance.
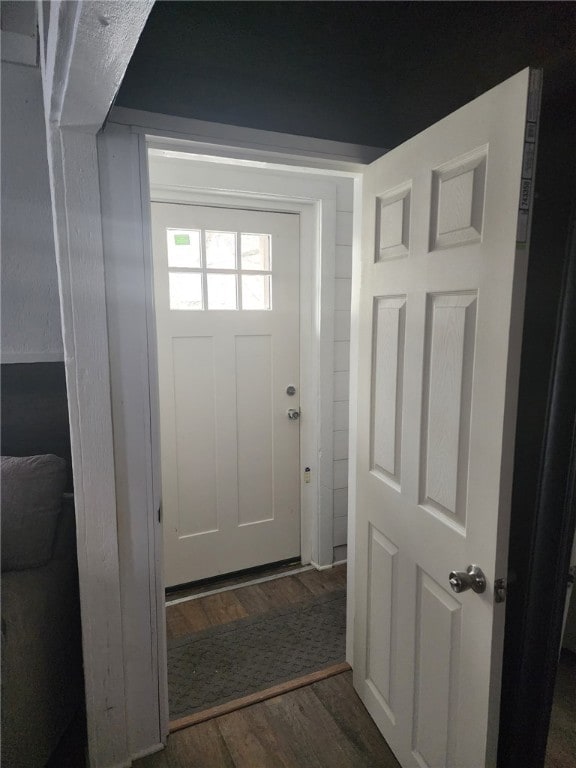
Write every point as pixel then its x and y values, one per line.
pixel 159 513
pixel 500 588
pixel 571 574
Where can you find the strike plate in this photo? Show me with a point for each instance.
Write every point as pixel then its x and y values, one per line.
pixel 500 590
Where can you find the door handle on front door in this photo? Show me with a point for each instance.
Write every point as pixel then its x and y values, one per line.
pixel 472 578
pixel 293 414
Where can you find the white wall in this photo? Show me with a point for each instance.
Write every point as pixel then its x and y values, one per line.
pixel 30 302
pixel 343 276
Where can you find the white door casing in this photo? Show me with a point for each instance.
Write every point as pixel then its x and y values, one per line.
pixel 441 303
pixel 230 455
pixel 133 361
pixel 314 199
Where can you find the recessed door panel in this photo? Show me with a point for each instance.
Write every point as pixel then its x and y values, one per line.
pixel 195 414
pixel 387 386
pixel 393 223
pixel 457 210
pixel 435 674
pixel 254 416
pixel 449 363
pixel 382 576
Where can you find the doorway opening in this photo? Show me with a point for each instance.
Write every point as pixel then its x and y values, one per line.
pixel 254 514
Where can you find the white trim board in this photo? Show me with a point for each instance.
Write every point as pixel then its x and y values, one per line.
pixel 232 141
pixel 353 414
pixel 139 532
pixel 74 176
pixel 332 565
pixel 132 339
pixel 84 53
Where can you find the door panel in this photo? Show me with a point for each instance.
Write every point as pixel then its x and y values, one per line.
pixel 435 674
pixel 227 304
pixel 194 414
pixel 442 283
pixel 382 576
pixel 387 387
pixel 449 358
pixel 255 420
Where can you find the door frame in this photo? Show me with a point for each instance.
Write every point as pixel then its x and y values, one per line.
pixel 85 49
pixel 317 250
pixel 125 201
pixel 541 596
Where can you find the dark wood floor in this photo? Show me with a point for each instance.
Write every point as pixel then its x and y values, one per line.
pixel 323 725
pixel 222 607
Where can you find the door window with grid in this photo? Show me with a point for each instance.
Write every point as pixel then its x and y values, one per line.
pixel 211 270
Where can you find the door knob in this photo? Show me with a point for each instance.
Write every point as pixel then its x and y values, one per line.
pixel 472 578
pixel 293 414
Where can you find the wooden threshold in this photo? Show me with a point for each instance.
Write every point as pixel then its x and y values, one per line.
pixel 255 698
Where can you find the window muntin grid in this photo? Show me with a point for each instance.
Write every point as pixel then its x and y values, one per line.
pixel 219 270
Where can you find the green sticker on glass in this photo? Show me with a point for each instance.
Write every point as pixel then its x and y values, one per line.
pixel 182 239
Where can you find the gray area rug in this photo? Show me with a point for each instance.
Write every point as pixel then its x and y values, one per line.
pixel 249 655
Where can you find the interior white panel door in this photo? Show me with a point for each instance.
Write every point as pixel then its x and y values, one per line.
pixel 444 252
pixel 227 305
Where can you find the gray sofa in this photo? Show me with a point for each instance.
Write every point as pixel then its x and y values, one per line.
pixel 41 648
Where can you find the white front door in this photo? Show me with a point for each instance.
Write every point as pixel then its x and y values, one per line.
pixel 227 307
pixel 444 254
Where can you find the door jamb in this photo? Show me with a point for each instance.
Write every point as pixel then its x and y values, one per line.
pixel 545 587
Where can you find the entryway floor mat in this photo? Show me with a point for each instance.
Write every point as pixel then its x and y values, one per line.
pixel 242 657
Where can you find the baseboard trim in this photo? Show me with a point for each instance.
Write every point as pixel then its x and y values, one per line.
pixel 326 567
pixel 256 698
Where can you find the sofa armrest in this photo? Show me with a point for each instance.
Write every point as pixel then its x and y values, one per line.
pixel 32 488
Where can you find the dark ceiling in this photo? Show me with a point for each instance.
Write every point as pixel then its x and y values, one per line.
pixel 369 73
